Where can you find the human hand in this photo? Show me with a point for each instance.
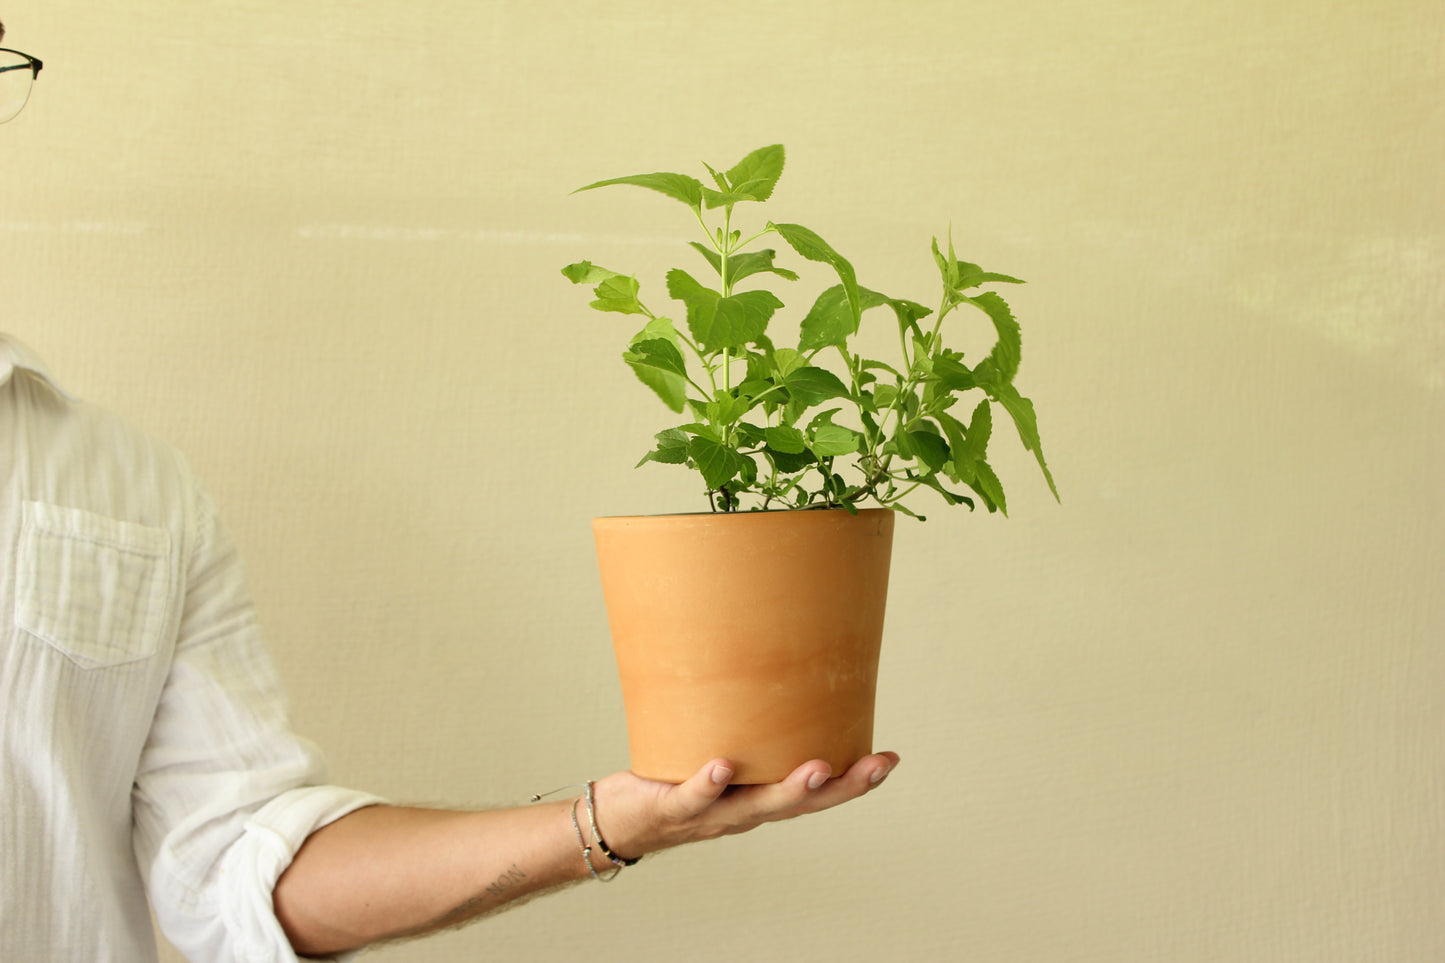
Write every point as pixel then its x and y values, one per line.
pixel 636 816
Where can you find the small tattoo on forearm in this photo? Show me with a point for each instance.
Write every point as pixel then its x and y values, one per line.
pixel 506 881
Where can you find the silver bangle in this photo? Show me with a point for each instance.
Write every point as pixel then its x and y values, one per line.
pixel 618 863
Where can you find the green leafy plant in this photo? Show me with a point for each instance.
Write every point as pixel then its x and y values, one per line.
pixel 763 422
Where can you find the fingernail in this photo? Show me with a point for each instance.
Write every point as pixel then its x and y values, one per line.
pixel 721 774
pixel 878 775
pixel 816 780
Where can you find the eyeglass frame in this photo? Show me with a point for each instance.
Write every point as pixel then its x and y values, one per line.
pixel 32 63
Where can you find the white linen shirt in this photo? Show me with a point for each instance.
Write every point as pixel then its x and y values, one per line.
pixel 144 745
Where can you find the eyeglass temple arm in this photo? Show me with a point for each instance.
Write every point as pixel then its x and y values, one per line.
pixel 33 65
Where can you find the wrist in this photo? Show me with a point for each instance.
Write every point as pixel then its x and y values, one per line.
pixel 624 820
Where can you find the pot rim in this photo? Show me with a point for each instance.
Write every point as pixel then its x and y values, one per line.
pixel 756 513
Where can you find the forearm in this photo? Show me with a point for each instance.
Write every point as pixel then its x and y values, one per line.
pixel 387 872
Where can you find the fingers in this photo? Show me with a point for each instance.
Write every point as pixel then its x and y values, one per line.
pixel 861 777
pixel 808 789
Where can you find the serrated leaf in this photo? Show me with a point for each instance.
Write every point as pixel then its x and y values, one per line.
pixel 717 462
pixel 1021 410
pixel 748 263
pixel 717 322
pixel 830 321
pixel 807 243
pixel 812 386
pixel 677 186
pixel 749 435
pixel 971 276
pixel 740 319
pixel 787 440
pixel 831 440
pixel 757 174
pixel 671 448
pixel 953 376
pixel 659 365
pixel 930 449
pixel 712 256
pixel 952 498
pixel 717 177
pixel 986 483
pixel 619 294
pixel 1009 348
pixel 980 429
pixel 713 199
pixel 701 301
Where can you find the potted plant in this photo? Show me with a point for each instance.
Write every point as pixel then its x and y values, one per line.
pixel 751 630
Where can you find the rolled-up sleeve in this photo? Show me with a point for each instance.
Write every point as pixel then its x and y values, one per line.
pixel 225 793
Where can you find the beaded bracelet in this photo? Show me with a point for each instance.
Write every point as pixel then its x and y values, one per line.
pixel 618 863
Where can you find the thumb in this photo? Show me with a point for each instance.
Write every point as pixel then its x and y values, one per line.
pixel 701 789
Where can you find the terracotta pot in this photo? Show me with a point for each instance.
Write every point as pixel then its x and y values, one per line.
pixel 753 636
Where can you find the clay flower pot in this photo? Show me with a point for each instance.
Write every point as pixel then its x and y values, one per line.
pixel 752 635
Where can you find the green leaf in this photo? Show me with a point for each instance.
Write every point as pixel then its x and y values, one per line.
pixel 812 386
pixel 671 448
pixel 757 174
pixel 749 435
pixel 1009 347
pixel 930 449
pixel 745 264
pixel 585 272
pixel 747 471
pixel 712 199
pixel 659 365
pixel 830 440
pixel 986 483
pixel 724 409
pixel 785 439
pixel 717 322
pixel 786 361
pixel 618 293
pixel 740 319
pixel 701 301
pixel 1021 410
pixel 679 186
pixel 952 498
pixel 789 462
pixel 814 248
pixel 953 376
pixel 980 429
pixel 830 321
pixel 717 462
pixel 971 276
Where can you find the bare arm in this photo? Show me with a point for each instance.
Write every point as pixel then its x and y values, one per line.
pixel 387 872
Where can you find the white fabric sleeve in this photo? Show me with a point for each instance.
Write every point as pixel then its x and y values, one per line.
pixel 225 792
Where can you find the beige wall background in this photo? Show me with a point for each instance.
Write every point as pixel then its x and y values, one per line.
pixel 1194 713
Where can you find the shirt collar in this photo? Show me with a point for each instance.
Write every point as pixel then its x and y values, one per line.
pixel 14 355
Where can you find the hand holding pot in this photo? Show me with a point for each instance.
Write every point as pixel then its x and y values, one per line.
pixel 638 816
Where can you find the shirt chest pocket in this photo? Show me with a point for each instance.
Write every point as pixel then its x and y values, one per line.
pixel 96 589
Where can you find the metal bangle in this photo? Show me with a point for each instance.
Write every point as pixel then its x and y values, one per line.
pixel 618 863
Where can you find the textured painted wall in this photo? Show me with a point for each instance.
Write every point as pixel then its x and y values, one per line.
pixel 1193 714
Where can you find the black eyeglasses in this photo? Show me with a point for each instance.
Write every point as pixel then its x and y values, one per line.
pixel 17 73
